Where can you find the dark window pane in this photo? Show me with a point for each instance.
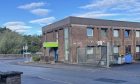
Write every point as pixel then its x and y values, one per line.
pixel 104 32
pixel 126 33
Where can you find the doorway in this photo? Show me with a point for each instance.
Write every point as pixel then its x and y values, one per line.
pixel 56 54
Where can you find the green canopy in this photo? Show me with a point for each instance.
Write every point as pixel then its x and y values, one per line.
pixel 50 44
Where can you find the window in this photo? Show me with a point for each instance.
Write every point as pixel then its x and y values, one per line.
pixel 128 49
pixel 116 33
pixel 104 32
pixel 44 33
pixel 56 36
pixel 66 32
pixel 127 33
pixel 89 50
pixel 137 48
pixel 89 31
pixel 116 49
pixel 138 33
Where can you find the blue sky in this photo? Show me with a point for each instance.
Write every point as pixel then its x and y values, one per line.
pixel 28 16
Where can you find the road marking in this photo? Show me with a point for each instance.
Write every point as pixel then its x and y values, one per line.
pixel 60 81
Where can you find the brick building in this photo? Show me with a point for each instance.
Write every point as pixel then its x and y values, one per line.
pixel 70 39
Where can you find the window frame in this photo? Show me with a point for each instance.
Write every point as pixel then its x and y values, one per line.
pixel 117 33
pixel 92 31
pixel 128 32
pixel 138 49
pixel 105 32
pixel 138 32
pixel 117 49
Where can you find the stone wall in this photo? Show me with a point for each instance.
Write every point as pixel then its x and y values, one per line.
pixel 9 56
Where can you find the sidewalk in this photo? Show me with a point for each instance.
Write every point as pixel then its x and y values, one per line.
pixel 70 66
pixel 61 66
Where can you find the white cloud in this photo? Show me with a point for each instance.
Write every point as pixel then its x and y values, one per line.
pixel 32 5
pixel 95 14
pixel 17 26
pixel 111 8
pixel 43 21
pixel 113 5
pixel 118 4
pixel 100 3
pixel 39 32
pixel 40 12
pixel 36 8
pixel 129 19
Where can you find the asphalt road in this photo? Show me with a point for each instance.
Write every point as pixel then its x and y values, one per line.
pixel 125 74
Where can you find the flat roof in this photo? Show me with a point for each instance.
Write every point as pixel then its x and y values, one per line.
pixel 92 21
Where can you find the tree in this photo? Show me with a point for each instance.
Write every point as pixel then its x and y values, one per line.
pixel 10 42
pixel 33 42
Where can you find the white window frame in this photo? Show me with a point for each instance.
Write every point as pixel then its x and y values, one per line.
pixel 89 28
pixel 137 48
pixel 116 34
pixel 116 49
pixel 137 33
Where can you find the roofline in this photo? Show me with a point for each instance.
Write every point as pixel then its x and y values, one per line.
pixel 91 21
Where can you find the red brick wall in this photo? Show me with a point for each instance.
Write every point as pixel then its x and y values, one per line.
pixel 78 38
pixel 50 37
pixel 61 45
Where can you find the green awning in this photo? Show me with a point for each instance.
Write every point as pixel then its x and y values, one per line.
pixel 50 44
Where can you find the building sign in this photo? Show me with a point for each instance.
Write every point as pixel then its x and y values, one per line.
pixel 50 44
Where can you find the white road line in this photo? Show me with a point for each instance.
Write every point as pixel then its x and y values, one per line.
pixel 60 81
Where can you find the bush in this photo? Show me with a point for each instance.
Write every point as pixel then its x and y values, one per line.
pixel 36 58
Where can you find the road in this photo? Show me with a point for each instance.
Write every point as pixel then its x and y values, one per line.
pixel 125 74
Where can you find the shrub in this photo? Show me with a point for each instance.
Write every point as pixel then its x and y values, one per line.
pixel 36 58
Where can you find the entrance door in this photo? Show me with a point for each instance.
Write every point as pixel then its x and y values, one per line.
pixel 56 54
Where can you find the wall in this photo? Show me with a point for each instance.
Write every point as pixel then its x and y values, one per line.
pixel 78 38
pixel 9 56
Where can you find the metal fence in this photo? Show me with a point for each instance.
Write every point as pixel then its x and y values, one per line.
pixel 98 57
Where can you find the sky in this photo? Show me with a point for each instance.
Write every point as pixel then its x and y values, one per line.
pixel 29 16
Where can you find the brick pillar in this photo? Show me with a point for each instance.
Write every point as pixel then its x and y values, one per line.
pixel 134 43
pixel 12 77
pixel 122 49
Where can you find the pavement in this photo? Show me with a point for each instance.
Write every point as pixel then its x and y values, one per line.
pixel 71 66
pixel 34 73
pixel 60 66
